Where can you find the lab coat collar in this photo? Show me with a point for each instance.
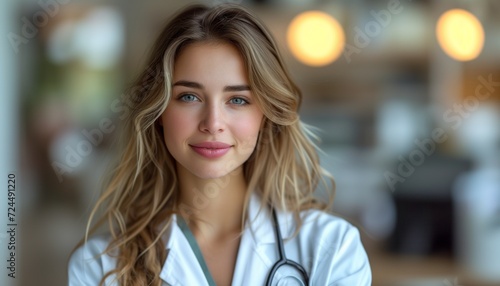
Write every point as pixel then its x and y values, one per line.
pixel 261 224
pixel 178 268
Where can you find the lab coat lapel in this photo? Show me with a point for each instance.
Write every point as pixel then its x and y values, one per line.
pixel 181 266
pixel 258 250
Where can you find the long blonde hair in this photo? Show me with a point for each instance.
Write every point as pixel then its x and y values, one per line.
pixel 140 197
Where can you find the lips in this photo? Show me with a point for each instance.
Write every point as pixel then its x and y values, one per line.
pixel 211 145
pixel 211 150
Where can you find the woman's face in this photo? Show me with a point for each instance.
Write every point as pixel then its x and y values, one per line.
pixel 212 121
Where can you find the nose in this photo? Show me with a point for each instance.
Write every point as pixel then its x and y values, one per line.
pixel 213 119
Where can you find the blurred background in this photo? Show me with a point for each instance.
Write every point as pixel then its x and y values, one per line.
pixel 406 95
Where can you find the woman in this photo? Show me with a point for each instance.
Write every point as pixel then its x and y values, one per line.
pixel 217 162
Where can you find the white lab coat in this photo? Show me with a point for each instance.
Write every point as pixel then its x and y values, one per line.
pixel 328 247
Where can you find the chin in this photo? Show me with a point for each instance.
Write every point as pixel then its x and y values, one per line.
pixel 213 173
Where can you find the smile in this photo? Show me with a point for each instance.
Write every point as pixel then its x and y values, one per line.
pixel 211 150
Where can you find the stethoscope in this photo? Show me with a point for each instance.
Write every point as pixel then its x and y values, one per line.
pixel 283 261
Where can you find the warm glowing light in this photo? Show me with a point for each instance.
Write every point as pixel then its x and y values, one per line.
pixel 460 35
pixel 315 38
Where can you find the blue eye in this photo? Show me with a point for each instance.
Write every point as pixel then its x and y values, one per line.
pixel 188 97
pixel 238 101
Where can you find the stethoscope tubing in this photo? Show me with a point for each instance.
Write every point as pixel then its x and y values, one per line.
pixel 283 260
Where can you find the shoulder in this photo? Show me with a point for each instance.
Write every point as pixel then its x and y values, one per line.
pixel 326 221
pixel 335 246
pixel 327 228
pixel 88 263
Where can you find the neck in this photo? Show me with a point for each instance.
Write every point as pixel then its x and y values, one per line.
pixel 212 207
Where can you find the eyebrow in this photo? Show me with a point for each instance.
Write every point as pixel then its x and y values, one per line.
pixel 227 88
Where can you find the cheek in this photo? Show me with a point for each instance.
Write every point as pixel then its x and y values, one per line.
pixel 248 133
pixel 176 125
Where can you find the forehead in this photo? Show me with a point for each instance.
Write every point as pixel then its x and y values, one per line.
pixel 210 61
